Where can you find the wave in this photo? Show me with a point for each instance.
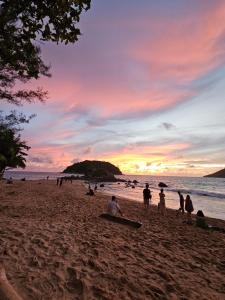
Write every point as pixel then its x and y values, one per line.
pixel 199 193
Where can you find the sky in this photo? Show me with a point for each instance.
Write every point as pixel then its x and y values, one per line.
pixel 143 88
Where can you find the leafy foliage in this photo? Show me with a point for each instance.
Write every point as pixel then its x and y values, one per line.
pixel 22 24
pixel 93 168
pixel 12 149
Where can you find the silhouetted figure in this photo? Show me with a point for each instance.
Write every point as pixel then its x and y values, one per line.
pixel 189 209
pixel 9 181
pixel 90 192
pixel 60 181
pixel 23 179
pixel 57 181
pixel 96 187
pixel 181 203
pixel 147 196
pixel 47 177
pixel 201 222
pixel 162 203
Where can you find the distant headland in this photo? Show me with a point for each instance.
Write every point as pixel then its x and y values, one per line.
pixel 218 174
pixel 94 169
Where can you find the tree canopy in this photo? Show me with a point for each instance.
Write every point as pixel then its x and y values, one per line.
pixel 93 168
pixel 13 150
pixel 24 24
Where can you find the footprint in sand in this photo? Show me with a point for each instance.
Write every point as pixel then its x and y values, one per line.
pixel 74 283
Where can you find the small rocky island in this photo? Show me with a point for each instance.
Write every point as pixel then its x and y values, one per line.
pixel 218 174
pixel 95 170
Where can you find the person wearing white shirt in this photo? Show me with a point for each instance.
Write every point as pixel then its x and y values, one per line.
pixel 113 207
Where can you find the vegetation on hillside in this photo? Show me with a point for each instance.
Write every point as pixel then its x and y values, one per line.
pixel 218 174
pixel 93 168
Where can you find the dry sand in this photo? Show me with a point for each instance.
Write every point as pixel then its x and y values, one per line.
pixel 54 246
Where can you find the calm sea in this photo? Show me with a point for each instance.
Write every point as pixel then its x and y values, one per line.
pixel 207 194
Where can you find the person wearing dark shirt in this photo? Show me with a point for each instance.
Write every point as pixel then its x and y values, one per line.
pixel 181 203
pixel 189 208
pixel 147 196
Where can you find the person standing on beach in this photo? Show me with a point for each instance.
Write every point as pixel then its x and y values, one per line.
pixel 189 208
pixel 113 207
pixel 181 203
pixel 147 196
pixel 162 203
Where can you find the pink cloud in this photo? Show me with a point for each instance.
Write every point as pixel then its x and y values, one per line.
pixel 187 46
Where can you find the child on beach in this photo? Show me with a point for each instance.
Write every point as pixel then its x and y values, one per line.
pixel 162 203
pixel 189 209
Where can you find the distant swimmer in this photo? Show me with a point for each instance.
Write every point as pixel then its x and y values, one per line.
pixel 181 203
pixel 189 208
pixel 162 203
pixel 113 207
pixel 147 196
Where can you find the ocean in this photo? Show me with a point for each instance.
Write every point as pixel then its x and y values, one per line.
pixel 207 194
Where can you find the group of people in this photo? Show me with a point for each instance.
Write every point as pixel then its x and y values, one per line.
pixel 113 207
pixel 185 205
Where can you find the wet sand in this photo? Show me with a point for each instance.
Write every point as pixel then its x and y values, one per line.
pixel 54 246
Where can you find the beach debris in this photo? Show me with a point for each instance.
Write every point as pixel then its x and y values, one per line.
pixel 120 220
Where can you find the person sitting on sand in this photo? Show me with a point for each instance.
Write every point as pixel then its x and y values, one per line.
pixel 162 203
pixel 200 220
pixel 189 208
pixel 181 203
pixel 9 181
pixel 147 196
pixel 113 207
pixel 90 192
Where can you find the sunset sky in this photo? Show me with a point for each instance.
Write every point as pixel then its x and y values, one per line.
pixel 143 88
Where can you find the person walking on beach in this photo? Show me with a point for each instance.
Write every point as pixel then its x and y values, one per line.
pixel 147 196
pixel 189 208
pixel 113 207
pixel 162 203
pixel 181 203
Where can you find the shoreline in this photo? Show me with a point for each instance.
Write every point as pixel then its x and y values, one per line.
pixel 173 210
pixel 54 246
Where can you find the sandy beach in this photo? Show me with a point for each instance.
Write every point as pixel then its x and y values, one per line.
pixel 54 246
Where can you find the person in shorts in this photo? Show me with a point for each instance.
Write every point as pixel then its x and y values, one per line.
pixel 181 203
pixel 147 196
